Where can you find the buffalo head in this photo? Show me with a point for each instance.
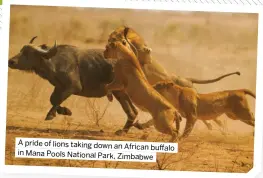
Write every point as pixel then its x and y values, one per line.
pixel 31 56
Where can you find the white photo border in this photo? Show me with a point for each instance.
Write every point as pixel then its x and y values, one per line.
pixel 128 4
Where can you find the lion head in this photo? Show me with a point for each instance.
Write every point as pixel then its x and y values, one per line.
pixel 117 49
pixel 136 42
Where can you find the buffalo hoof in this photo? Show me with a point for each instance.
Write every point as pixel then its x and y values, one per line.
pixel 120 132
pixel 49 117
pixel 64 111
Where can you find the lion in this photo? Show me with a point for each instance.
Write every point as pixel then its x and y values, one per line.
pixel 153 70
pixel 136 42
pixel 193 105
pixel 128 76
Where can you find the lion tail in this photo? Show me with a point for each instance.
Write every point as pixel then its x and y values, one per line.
pixel 249 92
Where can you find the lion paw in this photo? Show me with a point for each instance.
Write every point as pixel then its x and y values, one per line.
pixel 147 49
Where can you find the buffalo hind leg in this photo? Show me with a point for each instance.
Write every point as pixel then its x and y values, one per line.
pixel 57 97
pixel 145 125
pixel 128 108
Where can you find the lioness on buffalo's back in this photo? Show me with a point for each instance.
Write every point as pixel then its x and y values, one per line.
pixel 130 78
pixel 72 71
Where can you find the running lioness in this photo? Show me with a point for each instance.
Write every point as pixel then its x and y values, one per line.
pixel 193 105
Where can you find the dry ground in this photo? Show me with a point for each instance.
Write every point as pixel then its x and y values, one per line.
pixel 201 45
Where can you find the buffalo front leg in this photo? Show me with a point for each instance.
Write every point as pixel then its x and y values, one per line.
pixel 57 97
pixel 128 108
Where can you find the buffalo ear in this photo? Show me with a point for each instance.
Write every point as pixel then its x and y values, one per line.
pixel 44 46
pixel 47 54
pixel 51 52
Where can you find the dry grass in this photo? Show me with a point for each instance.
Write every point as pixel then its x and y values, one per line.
pixel 201 45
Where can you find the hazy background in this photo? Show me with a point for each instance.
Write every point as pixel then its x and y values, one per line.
pixel 200 45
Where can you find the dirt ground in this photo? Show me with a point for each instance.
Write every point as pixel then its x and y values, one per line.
pixel 200 45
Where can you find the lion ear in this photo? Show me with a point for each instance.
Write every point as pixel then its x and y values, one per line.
pixel 126 30
pixel 170 84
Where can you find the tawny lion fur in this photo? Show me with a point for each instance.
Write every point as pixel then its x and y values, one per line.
pixel 130 78
pixel 153 71
pixel 192 105
pixel 138 45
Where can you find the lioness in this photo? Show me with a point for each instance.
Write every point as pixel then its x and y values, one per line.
pixel 193 105
pixel 153 70
pixel 130 78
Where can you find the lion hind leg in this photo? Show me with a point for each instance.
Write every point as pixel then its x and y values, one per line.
pixel 190 122
pixel 218 122
pixel 208 125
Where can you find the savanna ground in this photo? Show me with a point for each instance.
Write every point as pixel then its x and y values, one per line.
pixel 200 45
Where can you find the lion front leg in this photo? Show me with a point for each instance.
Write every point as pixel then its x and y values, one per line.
pixel 190 122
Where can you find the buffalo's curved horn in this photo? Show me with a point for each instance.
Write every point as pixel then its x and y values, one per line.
pixel 49 53
pixel 126 30
pixel 32 40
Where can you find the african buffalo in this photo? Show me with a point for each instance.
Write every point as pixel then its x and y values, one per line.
pixel 72 71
